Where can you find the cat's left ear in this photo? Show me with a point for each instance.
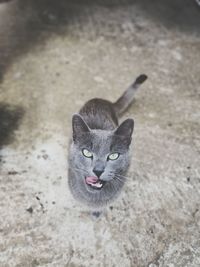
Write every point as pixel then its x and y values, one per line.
pixel 125 128
pixel 79 126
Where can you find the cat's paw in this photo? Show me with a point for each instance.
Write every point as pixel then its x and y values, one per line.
pixel 96 214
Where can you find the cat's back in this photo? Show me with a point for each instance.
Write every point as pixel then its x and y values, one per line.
pixel 99 114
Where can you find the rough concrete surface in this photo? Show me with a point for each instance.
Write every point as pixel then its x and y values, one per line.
pixel 55 55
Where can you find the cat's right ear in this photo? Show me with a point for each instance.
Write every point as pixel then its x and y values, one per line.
pixel 79 126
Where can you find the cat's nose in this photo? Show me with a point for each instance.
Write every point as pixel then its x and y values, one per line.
pixel 97 172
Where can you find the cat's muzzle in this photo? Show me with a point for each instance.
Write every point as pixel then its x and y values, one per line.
pixel 94 182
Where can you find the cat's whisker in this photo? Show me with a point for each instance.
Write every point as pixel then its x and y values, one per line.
pixel 122 176
pixel 125 177
pixel 118 179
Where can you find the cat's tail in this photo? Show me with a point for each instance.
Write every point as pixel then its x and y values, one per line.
pixel 126 99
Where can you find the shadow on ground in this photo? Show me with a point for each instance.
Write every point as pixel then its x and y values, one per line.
pixel 10 118
pixel 25 23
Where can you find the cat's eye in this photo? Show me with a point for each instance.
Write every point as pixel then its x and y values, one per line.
pixel 113 156
pixel 87 153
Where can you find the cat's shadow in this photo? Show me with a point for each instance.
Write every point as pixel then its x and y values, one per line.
pixel 10 119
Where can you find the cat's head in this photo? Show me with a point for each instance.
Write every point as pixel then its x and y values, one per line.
pixel 100 157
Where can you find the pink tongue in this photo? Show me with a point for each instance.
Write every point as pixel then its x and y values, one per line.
pixel 91 179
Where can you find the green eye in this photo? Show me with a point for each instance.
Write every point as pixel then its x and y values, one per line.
pixel 87 153
pixel 113 156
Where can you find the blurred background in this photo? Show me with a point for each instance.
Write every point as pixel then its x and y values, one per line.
pixel 54 56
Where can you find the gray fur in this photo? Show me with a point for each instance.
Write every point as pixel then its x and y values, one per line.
pixel 96 129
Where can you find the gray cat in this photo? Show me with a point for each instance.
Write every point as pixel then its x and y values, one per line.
pixel 99 151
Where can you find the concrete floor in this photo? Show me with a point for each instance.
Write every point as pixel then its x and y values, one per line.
pixel 54 57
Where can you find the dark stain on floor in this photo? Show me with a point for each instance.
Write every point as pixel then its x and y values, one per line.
pixel 10 118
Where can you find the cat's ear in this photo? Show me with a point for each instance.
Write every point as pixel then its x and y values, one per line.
pixel 125 128
pixel 79 126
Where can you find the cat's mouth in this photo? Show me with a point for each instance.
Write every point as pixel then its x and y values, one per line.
pixel 94 182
